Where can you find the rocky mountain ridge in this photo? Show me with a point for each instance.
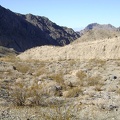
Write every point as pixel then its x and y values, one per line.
pixel 22 32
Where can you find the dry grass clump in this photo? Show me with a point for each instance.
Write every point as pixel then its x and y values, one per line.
pixel 11 58
pixel 81 75
pixel 85 80
pixel 97 62
pixel 40 71
pixel 93 81
pixel 74 92
pixel 23 68
pixel 21 94
pixel 57 77
pixel 72 62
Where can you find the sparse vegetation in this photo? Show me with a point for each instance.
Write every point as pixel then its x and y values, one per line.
pixel 81 75
pixel 22 95
pixel 46 86
pixel 97 62
pixel 23 68
pixel 57 77
pixel 40 71
pixel 11 58
pixel 93 81
pixel 74 92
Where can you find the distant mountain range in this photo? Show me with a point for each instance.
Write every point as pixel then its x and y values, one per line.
pixel 97 31
pixel 92 26
pixel 22 32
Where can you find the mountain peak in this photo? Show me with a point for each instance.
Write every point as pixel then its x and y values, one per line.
pixel 22 32
pixel 92 25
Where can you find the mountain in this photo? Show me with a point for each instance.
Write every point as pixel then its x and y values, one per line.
pixel 22 32
pixel 98 26
pixel 97 31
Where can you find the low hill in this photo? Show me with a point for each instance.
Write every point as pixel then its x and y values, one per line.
pixel 101 49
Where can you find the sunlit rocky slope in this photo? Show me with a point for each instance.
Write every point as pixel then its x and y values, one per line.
pixel 100 49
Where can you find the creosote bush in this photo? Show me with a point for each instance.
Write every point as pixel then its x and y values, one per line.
pixel 97 62
pixel 57 77
pixel 40 71
pixel 81 75
pixel 74 92
pixel 23 68
pixel 21 95
pixel 93 81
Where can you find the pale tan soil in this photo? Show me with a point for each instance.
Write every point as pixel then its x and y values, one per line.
pixel 99 101
pixel 101 49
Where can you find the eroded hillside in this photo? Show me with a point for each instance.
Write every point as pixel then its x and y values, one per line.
pixel 100 49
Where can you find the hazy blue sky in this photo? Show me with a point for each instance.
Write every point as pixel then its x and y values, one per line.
pixel 70 13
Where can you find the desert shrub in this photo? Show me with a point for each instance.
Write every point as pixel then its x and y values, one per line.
pixel 23 68
pixel 18 95
pixel 72 62
pixel 74 92
pixel 81 75
pixel 40 71
pixel 57 77
pixel 97 62
pixel 92 81
pixel 86 80
pixel 21 95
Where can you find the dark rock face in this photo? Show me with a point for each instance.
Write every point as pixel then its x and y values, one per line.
pixel 22 32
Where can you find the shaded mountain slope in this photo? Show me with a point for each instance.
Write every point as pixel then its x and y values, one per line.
pixel 22 32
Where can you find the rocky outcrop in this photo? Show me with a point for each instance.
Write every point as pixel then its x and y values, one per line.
pixel 22 32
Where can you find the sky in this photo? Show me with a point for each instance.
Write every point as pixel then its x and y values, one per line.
pixel 75 14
